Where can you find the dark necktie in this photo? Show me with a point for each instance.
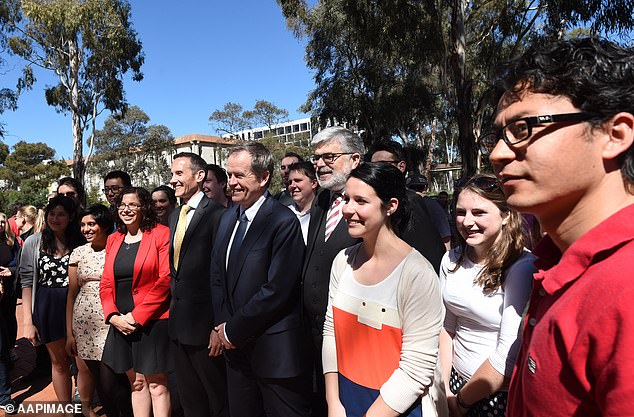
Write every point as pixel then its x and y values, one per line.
pixel 237 241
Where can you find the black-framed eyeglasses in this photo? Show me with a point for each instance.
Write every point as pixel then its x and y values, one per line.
pixel 131 206
pixel 112 188
pixel 521 129
pixel 328 158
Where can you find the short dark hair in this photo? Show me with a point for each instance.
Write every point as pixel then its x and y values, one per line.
pixel 597 76
pixel 125 178
pixel 305 168
pixel 149 218
pixel 196 162
pixel 393 147
pixel 102 216
pixel 388 182
pixel 218 171
pixel 72 182
pixel 169 192
pixel 290 154
pixel 261 158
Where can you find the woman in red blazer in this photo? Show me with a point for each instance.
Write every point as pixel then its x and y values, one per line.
pixel 134 292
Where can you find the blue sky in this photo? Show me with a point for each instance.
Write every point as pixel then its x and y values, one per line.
pixel 198 56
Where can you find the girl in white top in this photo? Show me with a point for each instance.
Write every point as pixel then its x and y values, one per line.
pixel 486 282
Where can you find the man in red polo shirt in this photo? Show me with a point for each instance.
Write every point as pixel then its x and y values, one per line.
pixel 563 152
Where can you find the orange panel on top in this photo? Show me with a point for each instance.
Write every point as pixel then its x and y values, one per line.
pixel 365 355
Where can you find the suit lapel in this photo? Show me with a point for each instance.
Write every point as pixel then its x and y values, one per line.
pixel 317 216
pixel 173 220
pixel 253 234
pixel 144 250
pixel 196 218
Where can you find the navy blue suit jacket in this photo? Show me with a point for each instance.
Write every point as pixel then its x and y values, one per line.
pixel 260 299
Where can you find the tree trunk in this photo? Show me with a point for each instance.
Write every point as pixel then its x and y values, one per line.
pixel 462 89
pixel 430 153
pixel 78 129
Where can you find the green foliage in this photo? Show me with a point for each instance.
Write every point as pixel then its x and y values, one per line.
pixel 278 150
pixel 129 143
pixel 27 173
pixel 392 68
pixel 232 118
pixel 90 45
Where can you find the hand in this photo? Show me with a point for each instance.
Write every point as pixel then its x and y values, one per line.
pixel 31 334
pixel 215 344
pixel 131 320
pixel 220 329
pixel 454 408
pixel 4 272
pixel 122 325
pixel 71 345
pixel 336 410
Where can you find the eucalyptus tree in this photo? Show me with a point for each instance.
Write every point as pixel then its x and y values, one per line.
pixel 393 67
pixel 90 45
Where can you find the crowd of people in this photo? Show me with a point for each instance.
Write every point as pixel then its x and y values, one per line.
pixel 343 294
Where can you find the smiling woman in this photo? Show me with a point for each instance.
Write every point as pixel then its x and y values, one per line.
pixel 486 282
pixel 374 314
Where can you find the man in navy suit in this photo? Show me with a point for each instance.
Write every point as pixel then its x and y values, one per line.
pixel 256 268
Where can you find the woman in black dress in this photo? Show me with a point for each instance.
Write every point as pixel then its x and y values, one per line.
pixel 134 290
pixel 44 277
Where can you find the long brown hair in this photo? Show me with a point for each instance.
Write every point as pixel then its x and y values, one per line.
pixel 509 244
pixel 7 234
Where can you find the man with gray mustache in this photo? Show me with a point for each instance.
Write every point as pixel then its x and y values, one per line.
pixel 337 151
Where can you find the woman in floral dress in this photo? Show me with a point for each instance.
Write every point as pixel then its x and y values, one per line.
pixel 85 326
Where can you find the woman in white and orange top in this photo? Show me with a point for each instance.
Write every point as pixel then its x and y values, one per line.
pixel 384 312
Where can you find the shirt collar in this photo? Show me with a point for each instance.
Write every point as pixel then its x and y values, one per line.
pixel 253 210
pixel 195 200
pixel 557 270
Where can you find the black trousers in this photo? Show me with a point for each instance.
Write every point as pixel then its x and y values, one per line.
pixel 251 396
pixel 201 381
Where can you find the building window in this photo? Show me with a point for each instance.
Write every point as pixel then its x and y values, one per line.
pixel 304 126
pixel 280 130
pixel 295 128
pixel 257 135
pixel 288 129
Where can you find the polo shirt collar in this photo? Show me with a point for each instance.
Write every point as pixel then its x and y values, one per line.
pixel 556 270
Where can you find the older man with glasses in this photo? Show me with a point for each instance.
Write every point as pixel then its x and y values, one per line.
pixel 337 151
pixel 563 152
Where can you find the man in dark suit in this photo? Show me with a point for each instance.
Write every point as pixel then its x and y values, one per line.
pixel 256 271
pixel 200 374
pixel 337 151
pixel 422 233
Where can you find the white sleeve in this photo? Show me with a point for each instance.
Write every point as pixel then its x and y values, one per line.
pixel 450 321
pixel 329 346
pixel 517 290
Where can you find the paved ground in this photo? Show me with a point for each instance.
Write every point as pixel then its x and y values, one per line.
pixel 27 382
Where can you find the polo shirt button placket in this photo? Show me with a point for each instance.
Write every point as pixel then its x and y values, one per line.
pixel 532 321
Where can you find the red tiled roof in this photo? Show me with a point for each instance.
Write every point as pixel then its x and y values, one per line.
pixel 205 139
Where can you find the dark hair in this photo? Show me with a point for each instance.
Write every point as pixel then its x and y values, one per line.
pixel 169 191
pixel 72 182
pixel 261 158
pixel 595 74
pixel 507 247
pixel 125 178
pixel 149 219
pixel 196 162
pixel 72 234
pixel 218 171
pixel 102 216
pixel 393 147
pixel 388 182
pixel 290 154
pixel 305 168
